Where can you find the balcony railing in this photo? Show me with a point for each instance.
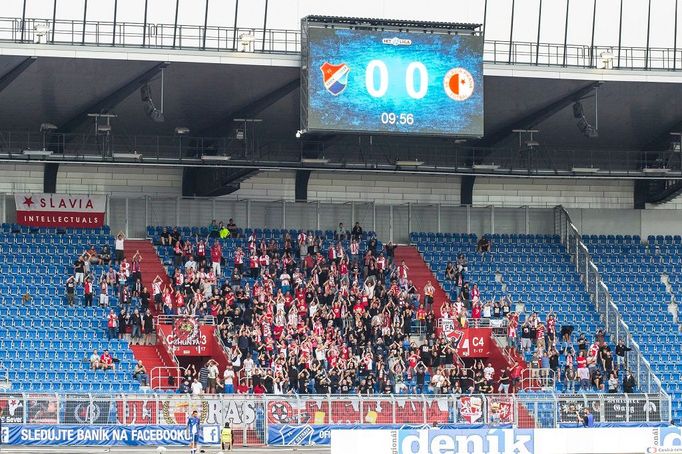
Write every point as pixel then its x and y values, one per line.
pixel 279 41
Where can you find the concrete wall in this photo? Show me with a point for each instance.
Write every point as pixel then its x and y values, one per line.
pixel 81 179
pixel 120 180
pixel 343 187
pixel 596 206
pixel 547 193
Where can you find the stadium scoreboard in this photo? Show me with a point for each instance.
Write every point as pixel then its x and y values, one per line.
pixel 391 78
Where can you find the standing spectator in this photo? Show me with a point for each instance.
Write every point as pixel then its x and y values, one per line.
pixel 340 232
pixel 629 382
pixel 148 326
pixel 105 255
pixel 79 270
pixel 583 373
pixel 504 381
pixel 429 291
pixel 621 351
pixel 112 324
pixel 87 292
pixel 228 377
pixel 203 376
pixel 197 388
pixel 570 378
pixel 613 383
pixel 103 292
pixel 216 257
pixel 212 376
pixel 156 291
pixel 356 233
pixel 213 229
pixel 136 324
pixel 232 227
pixel 123 319
pixel 70 290
pixel 119 247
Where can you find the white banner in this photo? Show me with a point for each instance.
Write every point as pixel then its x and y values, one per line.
pixel 510 441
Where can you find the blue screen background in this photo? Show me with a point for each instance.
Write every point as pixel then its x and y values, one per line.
pixel 356 110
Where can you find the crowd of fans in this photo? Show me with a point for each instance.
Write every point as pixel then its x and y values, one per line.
pixel 309 315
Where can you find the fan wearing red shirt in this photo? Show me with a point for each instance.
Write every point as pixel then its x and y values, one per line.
pixel 216 257
pixel 254 266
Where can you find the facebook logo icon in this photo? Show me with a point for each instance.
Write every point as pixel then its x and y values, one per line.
pixel 4 435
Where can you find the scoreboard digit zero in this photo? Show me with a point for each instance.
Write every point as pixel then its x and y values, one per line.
pixel 391 81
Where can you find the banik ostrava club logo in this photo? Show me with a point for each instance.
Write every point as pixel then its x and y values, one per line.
pixel 335 77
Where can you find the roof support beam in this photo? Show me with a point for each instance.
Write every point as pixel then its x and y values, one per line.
pixel 112 99
pixel 254 107
pixel 215 182
pixel 15 72
pixel 101 106
pixel 526 122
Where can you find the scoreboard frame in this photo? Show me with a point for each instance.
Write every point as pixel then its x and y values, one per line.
pixel 370 24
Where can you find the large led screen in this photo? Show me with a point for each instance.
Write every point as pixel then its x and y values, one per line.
pixel 374 81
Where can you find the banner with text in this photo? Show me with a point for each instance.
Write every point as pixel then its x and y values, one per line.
pixel 60 210
pixel 509 441
pixel 108 435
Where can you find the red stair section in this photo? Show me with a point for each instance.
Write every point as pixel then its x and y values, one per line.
pixel 151 355
pixel 419 273
pixel 151 265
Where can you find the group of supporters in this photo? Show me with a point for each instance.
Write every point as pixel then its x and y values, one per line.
pixel 303 314
pixel 580 365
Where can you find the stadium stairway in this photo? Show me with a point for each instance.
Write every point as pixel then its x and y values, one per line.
pixel 151 265
pixel 152 356
pixel 419 273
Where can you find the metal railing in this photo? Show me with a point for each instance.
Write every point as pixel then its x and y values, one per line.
pixel 538 379
pixel 249 39
pixel 250 416
pixel 171 319
pixel 166 377
pixel 604 303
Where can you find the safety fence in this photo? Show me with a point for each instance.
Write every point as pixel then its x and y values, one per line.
pixel 391 222
pixel 50 30
pixel 252 416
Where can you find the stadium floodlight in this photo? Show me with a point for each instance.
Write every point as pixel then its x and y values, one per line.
pixel 47 127
pixel 485 167
pixel 322 160
pixel 132 156
pixel 585 169
pixel 37 153
pixel 182 130
pixel 655 170
pixel 407 163
pixel 215 158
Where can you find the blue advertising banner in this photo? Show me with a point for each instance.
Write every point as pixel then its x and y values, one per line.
pixel 106 435
pixel 320 434
pixel 393 82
